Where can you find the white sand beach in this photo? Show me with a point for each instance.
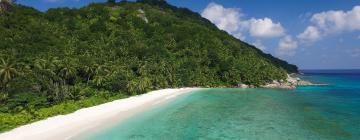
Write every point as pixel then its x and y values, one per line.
pixel 63 127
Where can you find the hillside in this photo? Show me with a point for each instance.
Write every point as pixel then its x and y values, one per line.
pixel 57 61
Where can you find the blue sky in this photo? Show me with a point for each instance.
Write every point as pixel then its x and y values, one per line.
pixel 313 34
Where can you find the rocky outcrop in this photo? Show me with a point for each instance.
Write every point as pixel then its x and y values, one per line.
pixel 240 85
pixel 291 82
pixel 281 85
pixel 141 14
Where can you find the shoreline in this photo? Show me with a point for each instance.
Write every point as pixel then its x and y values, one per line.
pixel 90 119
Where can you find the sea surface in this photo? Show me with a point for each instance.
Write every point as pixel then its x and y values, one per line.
pixel 329 112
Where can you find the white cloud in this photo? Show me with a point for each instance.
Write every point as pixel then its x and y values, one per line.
pixel 258 44
pixel 330 22
pixel 287 46
pixel 239 35
pixel 229 19
pixel 338 21
pixel 265 28
pixel 311 34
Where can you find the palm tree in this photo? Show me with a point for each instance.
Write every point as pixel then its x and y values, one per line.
pixel 67 71
pixel 47 68
pixel 101 73
pixel 144 84
pixel 132 87
pixel 99 80
pixel 7 72
pixel 89 71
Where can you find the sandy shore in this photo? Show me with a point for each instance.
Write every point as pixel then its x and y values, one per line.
pixel 88 119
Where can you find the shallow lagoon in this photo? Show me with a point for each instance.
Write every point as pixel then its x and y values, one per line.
pixel 323 112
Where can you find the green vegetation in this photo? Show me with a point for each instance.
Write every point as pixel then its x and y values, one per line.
pixel 57 61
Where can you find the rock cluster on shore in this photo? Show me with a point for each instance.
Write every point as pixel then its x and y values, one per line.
pixel 291 82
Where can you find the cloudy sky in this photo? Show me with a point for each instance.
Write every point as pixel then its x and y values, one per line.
pixel 313 34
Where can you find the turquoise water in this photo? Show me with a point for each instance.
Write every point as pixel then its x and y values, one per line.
pixel 307 113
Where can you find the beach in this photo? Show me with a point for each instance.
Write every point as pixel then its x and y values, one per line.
pixel 89 119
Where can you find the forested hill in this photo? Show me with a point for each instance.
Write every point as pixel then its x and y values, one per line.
pixel 128 48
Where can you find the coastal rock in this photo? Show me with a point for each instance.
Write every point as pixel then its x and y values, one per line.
pixel 291 82
pixel 279 85
pixel 240 85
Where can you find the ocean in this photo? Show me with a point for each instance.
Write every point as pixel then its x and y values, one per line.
pixel 330 112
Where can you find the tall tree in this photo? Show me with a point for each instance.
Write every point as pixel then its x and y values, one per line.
pixel 7 72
